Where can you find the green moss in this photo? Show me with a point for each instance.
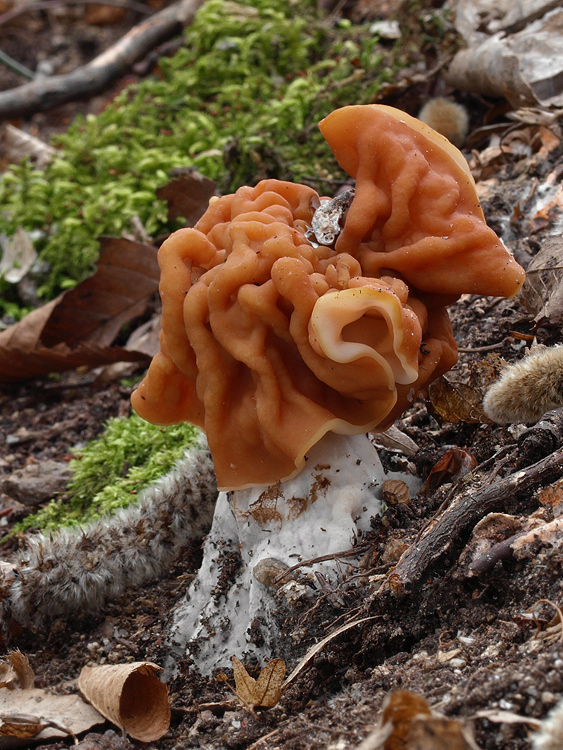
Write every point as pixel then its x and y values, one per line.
pixel 240 101
pixel 110 471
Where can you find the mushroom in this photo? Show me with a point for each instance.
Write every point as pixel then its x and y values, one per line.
pixel 286 352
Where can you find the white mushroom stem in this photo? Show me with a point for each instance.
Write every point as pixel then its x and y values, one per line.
pixel 318 512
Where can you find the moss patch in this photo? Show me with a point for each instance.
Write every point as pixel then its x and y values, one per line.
pixel 111 471
pixel 240 101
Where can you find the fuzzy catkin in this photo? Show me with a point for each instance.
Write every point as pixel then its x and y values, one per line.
pixel 527 389
pixel 550 734
pixel 77 570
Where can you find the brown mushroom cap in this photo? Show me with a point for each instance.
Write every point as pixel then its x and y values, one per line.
pixel 269 341
pixel 416 210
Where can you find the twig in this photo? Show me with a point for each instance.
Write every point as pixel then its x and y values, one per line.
pixel 353 552
pixel 97 75
pixel 17 67
pixel 19 10
pixel 260 742
pixel 463 513
pixel 488 348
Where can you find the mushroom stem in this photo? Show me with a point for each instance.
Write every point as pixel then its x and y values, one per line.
pixel 318 512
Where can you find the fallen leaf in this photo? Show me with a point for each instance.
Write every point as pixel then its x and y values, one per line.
pixel 17 145
pixel 187 195
pixel 78 328
pixel 18 255
pixel 542 293
pixel 60 714
pixel 16 672
pixel 129 695
pixel 459 396
pixel 451 467
pixel 20 727
pixel 523 67
pixel 266 690
pixel 408 723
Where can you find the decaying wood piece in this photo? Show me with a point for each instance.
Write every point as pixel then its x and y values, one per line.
pixel 44 93
pixel 463 513
pixel 542 438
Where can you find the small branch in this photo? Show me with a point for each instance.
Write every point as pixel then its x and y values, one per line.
pixel 19 10
pixel 488 348
pixel 16 67
pixel 462 514
pixel 97 75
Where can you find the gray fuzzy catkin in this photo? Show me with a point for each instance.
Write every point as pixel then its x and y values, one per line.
pixel 77 570
pixel 550 734
pixel 528 389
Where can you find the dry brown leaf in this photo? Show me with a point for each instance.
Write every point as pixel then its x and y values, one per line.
pixel 129 695
pixel 18 255
pixel 78 328
pixel 542 293
pixel 408 723
pixel 266 690
pixel 187 195
pixel 459 396
pixel 451 467
pixel 16 672
pixel 524 67
pixel 456 402
pixel 60 715
pixel 17 145
pixel 20 727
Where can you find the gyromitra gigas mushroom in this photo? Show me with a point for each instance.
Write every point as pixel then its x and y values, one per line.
pixel 273 343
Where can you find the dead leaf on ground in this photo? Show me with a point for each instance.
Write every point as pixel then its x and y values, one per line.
pixel 59 716
pixel 187 195
pixel 456 402
pixel 451 467
pixel 523 65
pixel 18 255
pixel 16 145
pixel 542 293
pixel 408 723
pixel 129 695
pixel 16 671
pixel 266 690
pixel 78 328
pixel 458 397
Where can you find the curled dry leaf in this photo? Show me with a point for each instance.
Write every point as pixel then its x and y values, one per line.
pixel 266 690
pixel 16 672
pixel 542 293
pixel 60 716
pixel 17 145
pixel 524 67
pixel 78 328
pixel 459 397
pixel 408 723
pixel 129 695
pixel 21 727
pixel 18 255
pixel 451 467
pixel 456 402
pixel 187 195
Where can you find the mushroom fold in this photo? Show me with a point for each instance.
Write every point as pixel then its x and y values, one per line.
pixel 269 342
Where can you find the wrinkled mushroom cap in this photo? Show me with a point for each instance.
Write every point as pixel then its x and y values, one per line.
pixel 416 210
pixel 270 341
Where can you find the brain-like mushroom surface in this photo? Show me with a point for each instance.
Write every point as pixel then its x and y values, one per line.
pixel 269 341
